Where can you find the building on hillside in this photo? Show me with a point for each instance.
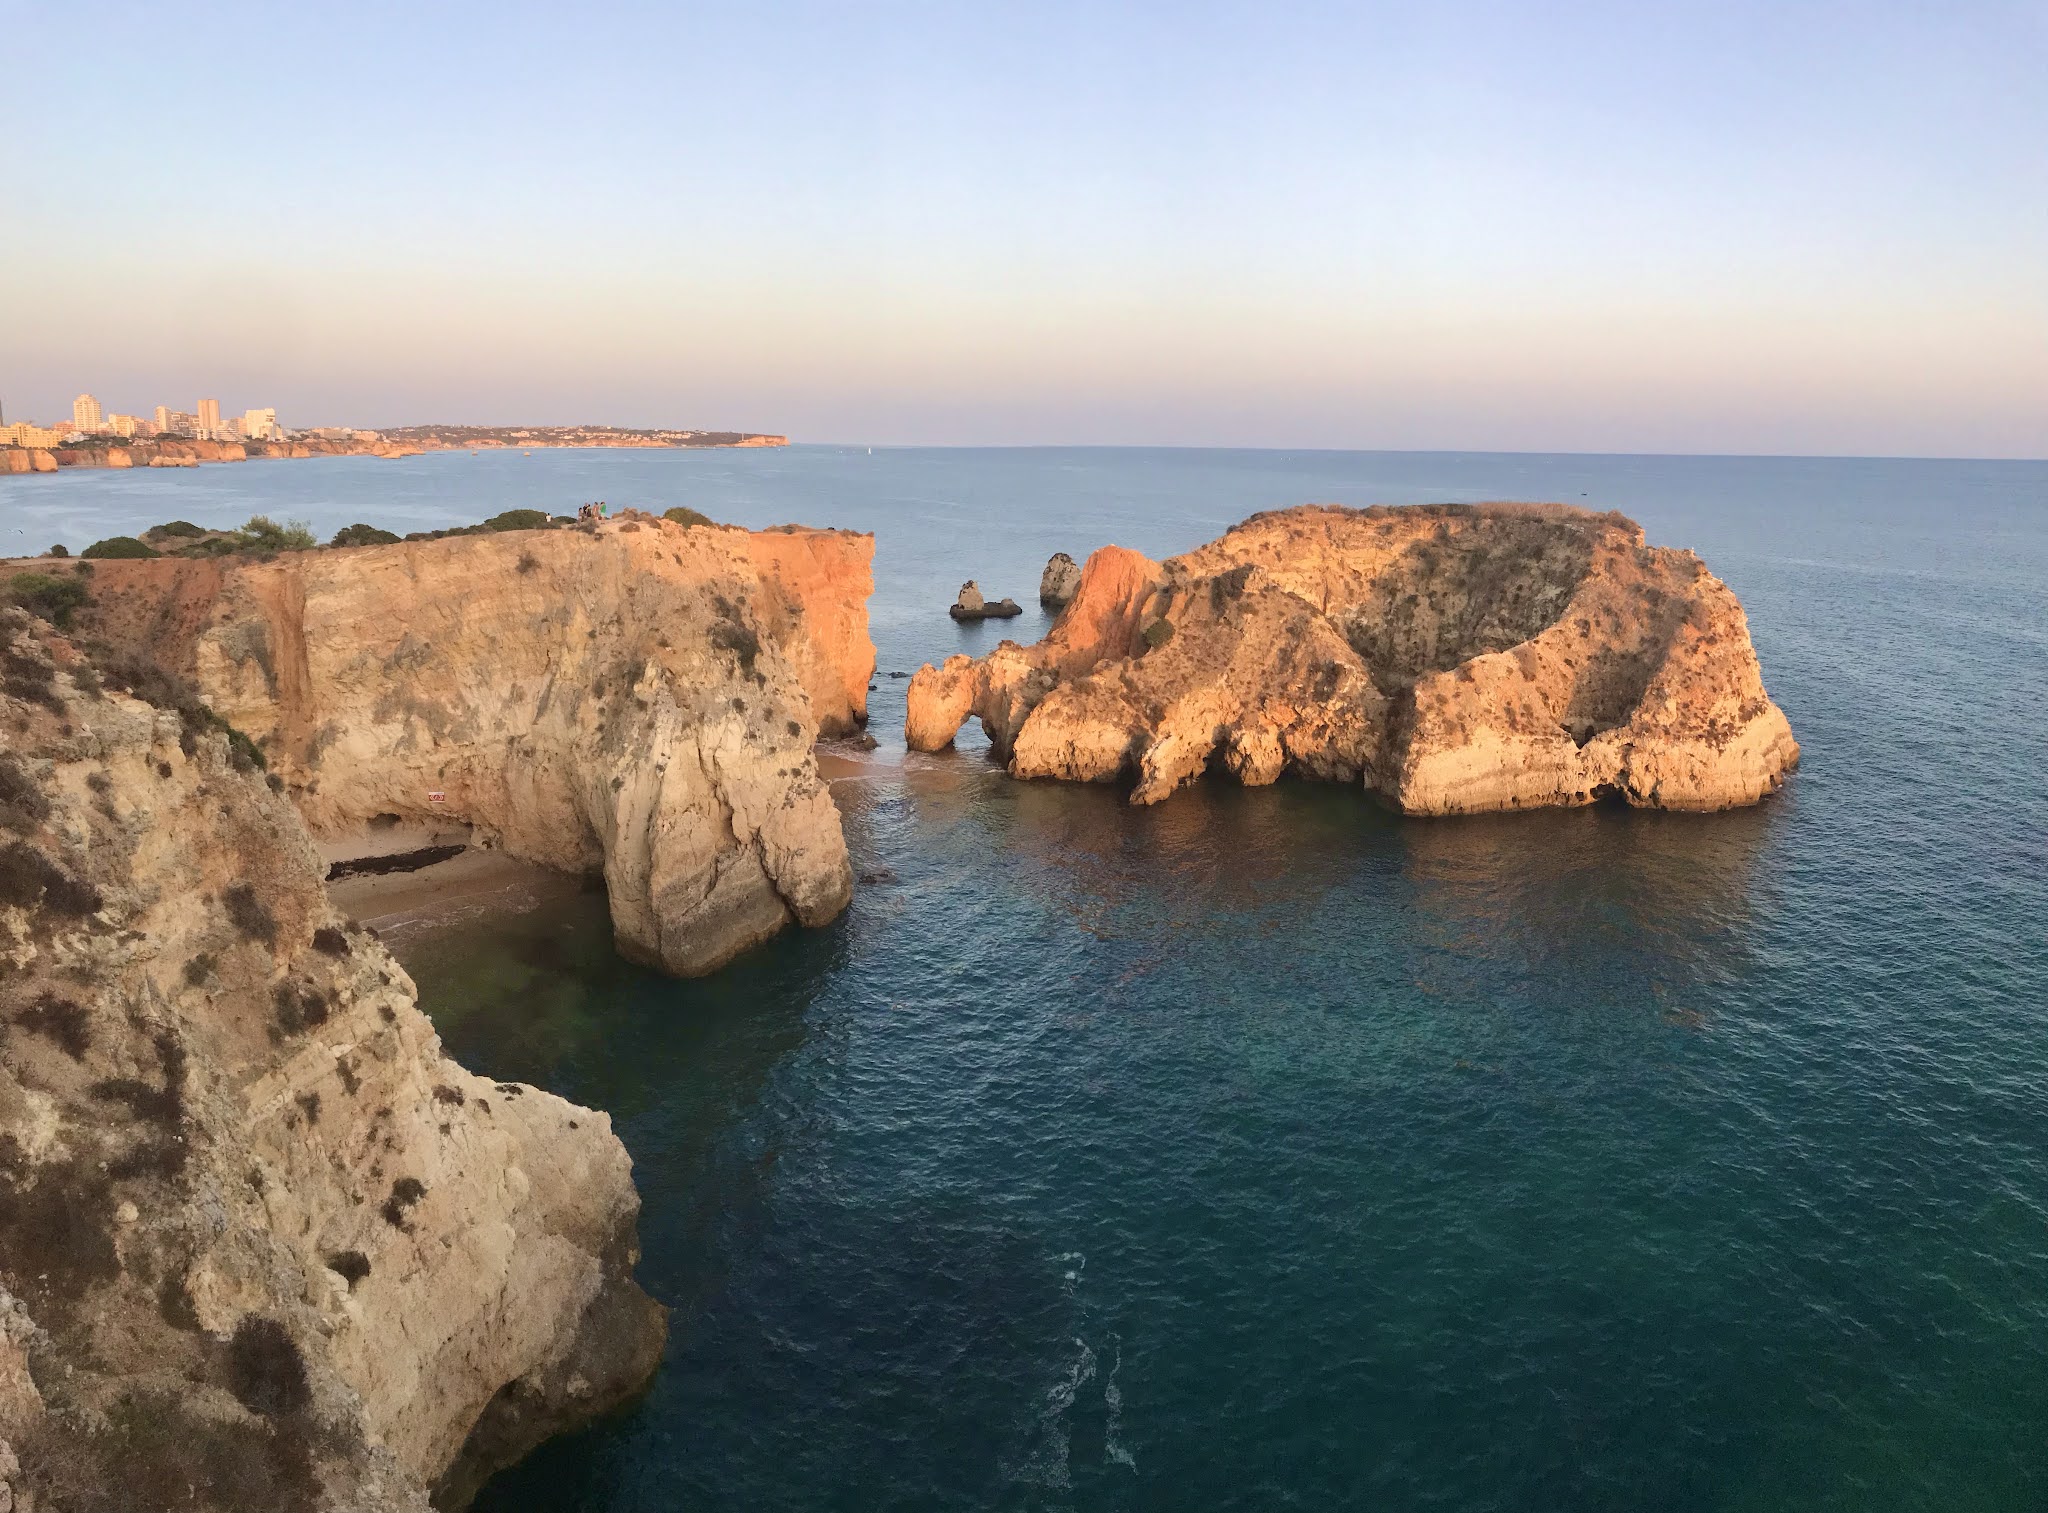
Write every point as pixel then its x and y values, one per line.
pixel 30 436
pixel 125 426
pixel 171 422
pixel 207 428
pixel 261 425
pixel 85 414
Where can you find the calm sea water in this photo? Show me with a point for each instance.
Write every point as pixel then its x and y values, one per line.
pixel 1264 1150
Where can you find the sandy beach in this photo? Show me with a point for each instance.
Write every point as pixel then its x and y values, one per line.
pixel 402 904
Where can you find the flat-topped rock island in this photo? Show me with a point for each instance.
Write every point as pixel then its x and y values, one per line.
pixel 1451 658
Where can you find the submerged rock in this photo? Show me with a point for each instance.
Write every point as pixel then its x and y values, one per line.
pixel 1453 658
pixel 262 1245
pixel 635 698
pixel 1060 581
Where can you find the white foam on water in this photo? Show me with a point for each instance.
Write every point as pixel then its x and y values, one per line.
pixel 1048 1461
pixel 1113 1451
pixel 1075 1263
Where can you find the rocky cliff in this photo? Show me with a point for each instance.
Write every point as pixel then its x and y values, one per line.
pixel 638 699
pixel 262 1246
pixel 1452 658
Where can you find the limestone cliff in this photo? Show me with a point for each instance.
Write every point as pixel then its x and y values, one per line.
pixel 262 1246
pixel 1060 581
pixel 638 699
pixel 1453 658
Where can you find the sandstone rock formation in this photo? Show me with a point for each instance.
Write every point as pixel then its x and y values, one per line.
pixel 970 605
pixel 1060 581
pixel 1453 658
pixel 636 699
pixel 262 1246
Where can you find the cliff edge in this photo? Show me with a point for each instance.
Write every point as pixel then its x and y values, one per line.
pixel 262 1246
pixel 638 699
pixel 1453 658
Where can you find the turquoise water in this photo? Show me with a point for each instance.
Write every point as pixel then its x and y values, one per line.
pixel 1264 1150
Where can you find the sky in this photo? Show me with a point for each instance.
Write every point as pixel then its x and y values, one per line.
pixel 1781 227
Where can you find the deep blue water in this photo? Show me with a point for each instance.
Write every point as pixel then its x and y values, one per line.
pixel 1264 1150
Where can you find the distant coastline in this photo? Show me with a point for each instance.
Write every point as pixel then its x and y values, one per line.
pixel 405 441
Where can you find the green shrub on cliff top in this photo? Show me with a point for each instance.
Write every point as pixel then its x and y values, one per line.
pixel 684 516
pixel 362 535
pixel 49 596
pixel 517 520
pixel 121 546
pixel 265 535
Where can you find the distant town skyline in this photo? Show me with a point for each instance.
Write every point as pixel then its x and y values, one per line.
pixel 90 418
pixel 1733 227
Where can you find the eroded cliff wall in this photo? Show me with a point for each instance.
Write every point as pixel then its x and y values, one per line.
pixel 263 1246
pixel 636 698
pixel 1453 658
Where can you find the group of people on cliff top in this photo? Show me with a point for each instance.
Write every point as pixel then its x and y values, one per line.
pixel 597 511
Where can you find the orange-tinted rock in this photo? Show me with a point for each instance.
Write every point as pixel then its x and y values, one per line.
pixel 633 699
pixel 826 577
pixel 1452 658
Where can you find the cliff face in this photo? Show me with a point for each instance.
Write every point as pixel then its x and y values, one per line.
pixel 262 1246
pixel 1452 658
pixel 636 698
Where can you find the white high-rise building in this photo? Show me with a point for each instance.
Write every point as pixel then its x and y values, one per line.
pixel 261 425
pixel 209 419
pixel 85 414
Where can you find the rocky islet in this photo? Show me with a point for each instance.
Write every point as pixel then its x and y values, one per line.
pixel 1452 658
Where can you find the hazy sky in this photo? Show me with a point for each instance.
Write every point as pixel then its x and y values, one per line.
pixel 1779 227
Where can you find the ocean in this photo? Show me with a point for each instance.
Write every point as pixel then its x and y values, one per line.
pixel 1265 1150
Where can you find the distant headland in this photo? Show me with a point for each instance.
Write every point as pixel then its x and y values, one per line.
pixel 47 453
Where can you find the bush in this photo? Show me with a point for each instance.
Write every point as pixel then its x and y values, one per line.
pixel 518 520
pixel 405 1192
pixel 362 535
pixel 263 534
pixel 52 597
pixel 266 1373
pixel 300 1007
pixel 23 804
pixel 59 550
pixel 184 528
pixel 248 915
pixel 60 1020
pixel 29 878
pixel 687 517
pixel 121 547
pixel 1158 633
